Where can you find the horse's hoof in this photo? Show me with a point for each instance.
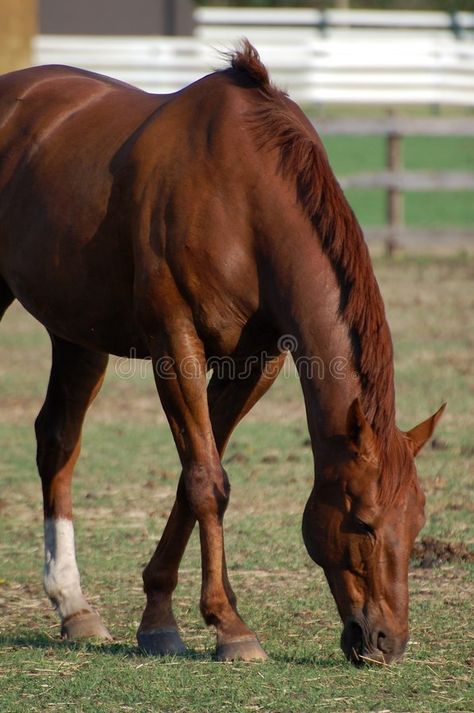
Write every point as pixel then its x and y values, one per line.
pixel 84 625
pixel 161 642
pixel 245 649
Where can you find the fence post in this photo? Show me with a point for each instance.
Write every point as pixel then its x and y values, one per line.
pixel 395 202
pixel 17 29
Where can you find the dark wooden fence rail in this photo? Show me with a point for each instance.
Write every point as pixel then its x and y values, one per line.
pixel 395 179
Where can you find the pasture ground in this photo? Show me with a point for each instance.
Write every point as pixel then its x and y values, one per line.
pixel 123 491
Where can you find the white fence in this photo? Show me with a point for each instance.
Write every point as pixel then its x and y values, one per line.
pixel 156 64
pixel 224 19
pixel 351 57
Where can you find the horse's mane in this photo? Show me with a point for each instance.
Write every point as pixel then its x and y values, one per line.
pixel 302 158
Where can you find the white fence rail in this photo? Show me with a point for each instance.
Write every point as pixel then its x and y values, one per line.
pixel 355 57
pixel 211 20
pixel 156 64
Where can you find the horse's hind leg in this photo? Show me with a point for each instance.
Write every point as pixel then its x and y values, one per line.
pixel 229 400
pixel 76 376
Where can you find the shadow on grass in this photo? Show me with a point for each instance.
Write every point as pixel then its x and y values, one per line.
pixel 42 641
pixel 124 650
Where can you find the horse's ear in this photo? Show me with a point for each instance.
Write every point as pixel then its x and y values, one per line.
pixel 359 430
pixel 419 435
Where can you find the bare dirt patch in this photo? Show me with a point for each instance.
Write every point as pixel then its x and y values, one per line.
pixel 430 552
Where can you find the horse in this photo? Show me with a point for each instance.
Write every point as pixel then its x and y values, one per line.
pixel 207 224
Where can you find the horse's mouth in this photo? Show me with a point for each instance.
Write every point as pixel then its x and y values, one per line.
pixel 352 642
pixel 358 649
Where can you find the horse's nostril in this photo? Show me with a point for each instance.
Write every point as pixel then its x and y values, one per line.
pixel 381 643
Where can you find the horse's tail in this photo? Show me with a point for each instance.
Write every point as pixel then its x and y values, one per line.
pixel 247 62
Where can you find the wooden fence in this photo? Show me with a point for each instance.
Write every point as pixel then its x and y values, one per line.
pixel 395 179
pixel 17 28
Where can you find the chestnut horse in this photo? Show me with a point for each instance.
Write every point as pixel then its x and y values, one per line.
pixel 202 224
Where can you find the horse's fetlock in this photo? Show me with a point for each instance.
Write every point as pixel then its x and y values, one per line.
pixel 213 609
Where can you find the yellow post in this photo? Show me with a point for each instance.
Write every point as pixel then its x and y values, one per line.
pixel 18 22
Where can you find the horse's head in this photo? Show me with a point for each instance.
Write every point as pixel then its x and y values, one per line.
pixel 362 538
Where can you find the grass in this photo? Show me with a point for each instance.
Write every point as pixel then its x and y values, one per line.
pixel 350 154
pixel 123 491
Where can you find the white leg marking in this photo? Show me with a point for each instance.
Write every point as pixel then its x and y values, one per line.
pixel 61 575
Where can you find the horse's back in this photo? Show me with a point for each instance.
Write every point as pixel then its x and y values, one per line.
pixel 41 104
pixel 95 178
pixel 61 84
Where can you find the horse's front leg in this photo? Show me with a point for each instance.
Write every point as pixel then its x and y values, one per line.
pixel 203 494
pixel 229 400
pixel 158 632
pixel 76 376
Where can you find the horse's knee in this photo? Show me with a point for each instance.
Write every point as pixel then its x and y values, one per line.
pixel 48 437
pixel 207 491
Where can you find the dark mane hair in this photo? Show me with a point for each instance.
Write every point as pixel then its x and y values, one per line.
pixel 302 159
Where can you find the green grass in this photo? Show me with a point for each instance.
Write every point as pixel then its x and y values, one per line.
pixel 123 491
pixel 350 154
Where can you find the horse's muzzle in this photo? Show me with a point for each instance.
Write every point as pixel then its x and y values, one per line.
pixel 363 645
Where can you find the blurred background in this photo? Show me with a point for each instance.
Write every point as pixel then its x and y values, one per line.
pixel 389 85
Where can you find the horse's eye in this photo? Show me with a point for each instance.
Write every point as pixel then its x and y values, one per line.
pixel 364 527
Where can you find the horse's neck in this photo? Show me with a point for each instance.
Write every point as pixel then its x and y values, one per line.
pixel 328 375
pixel 311 309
